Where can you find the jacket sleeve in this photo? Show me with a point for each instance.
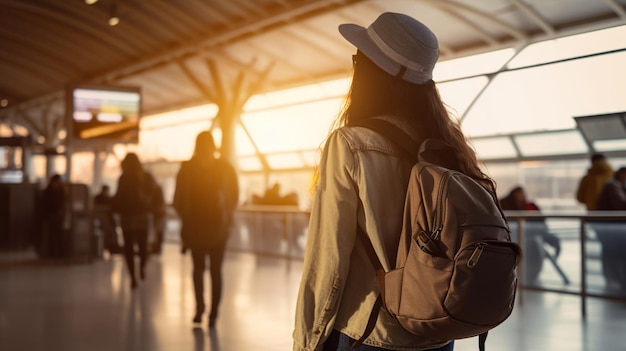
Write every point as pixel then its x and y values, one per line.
pixel 330 241
pixel 613 197
pixel 582 190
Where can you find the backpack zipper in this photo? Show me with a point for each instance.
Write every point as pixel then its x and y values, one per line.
pixel 441 207
pixel 473 260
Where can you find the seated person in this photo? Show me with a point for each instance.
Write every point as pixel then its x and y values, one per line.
pixel 106 219
pixel 610 234
pixel 536 234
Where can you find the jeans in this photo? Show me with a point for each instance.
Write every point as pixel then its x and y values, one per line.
pixel 341 342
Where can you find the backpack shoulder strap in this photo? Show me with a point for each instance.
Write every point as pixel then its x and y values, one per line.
pixel 380 275
pixel 392 133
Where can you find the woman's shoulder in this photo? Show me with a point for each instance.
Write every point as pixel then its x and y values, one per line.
pixel 363 137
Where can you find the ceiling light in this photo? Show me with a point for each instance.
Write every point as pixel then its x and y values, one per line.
pixel 4 102
pixel 90 2
pixel 114 20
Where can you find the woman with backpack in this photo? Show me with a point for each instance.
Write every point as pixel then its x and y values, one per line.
pixel 133 203
pixel 362 182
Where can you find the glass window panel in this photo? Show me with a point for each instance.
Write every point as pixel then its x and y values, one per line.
pixel 251 163
pixel 609 145
pixel 82 167
pixel 295 127
pixel 305 93
pixel 546 98
pixel 311 158
pixel 244 144
pixel 176 142
pixel 572 46
pixel 491 148
pixel 282 161
pixel 472 65
pixel 172 118
pixel 459 94
pixel 546 144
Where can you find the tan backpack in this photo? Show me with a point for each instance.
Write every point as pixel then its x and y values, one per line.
pixel 455 274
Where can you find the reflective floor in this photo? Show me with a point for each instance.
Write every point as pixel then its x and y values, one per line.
pixel 89 306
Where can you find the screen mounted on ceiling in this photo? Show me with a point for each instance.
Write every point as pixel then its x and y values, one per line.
pixel 105 113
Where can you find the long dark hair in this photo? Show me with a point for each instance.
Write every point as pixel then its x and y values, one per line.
pixel 132 167
pixel 205 146
pixel 374 92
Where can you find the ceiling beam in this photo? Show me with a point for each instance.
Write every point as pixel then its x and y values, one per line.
pixel 196 82
pixel 531 12
pixel 619 9
pixel 235 33
pixel 461 7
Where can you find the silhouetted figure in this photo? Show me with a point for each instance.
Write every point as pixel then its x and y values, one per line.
pixel 159 211
pixel 133 202
pixel 54 212
pixel 205 198
pixel 612 234
pixel 536 233
pixel 592 183
pixel 106 219
pixel 272 196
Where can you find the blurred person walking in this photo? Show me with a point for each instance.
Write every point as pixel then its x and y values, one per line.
pixel 54 212
pixel 133 203
pixel 106 220
pixel 205 198
pixel 159 219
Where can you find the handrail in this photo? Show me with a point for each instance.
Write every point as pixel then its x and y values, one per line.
pixel 287 224
pixel 271 209
pixel 583 218
pixel 586 215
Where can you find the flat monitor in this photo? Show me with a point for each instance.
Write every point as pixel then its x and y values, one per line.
pixel 104 113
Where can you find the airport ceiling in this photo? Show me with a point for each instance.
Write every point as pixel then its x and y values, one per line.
pixel 187 52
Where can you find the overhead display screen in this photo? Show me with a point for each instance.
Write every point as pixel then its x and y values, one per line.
pixel 105 113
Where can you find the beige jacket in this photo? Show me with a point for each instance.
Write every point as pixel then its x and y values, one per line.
pixel 362 180
pixel 591 184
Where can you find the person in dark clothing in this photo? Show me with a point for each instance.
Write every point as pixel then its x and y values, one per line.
pixel 133 202
pixel 106 219
pixel 205 198
pixel 159 211
pixel 536 233
pixel 54 212
pixel 611 234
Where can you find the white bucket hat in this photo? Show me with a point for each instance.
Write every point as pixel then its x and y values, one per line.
pixel 394 41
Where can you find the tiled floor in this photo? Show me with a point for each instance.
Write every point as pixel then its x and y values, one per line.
pixel 90 306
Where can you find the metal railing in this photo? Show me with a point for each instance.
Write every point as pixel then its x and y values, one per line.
pixel 583 247
pixel 576 269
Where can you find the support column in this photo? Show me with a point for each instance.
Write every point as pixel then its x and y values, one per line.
pixel 27 164
pixel 99 156
pixel 230 101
